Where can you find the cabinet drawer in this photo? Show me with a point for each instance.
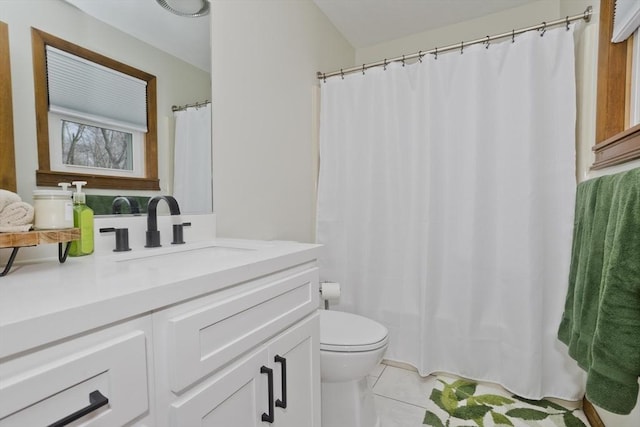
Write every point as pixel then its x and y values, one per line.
pixel 45 394
pixel 205 339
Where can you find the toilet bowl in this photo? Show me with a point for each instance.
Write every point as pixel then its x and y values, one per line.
pixel 350 347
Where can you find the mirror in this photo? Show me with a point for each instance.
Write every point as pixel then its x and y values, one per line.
pixel 178 82
pixel 7 160
pixel 118 205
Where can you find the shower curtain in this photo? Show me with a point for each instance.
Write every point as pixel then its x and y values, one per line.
pixel 445 204
pixel 192 180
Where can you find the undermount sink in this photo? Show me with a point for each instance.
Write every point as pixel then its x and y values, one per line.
pixel 201 248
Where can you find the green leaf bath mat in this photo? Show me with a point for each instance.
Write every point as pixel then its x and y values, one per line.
pixel 465 403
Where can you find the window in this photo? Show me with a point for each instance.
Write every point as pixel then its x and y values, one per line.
pixel 96 118
pixel 82 146
pixel 616 141
pixel 7 158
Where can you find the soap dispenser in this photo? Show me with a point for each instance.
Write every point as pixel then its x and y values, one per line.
pixel 82 219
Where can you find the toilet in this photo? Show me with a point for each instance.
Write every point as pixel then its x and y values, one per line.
pixel 350 347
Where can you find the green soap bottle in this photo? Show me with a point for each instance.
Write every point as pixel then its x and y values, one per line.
pixel 82 219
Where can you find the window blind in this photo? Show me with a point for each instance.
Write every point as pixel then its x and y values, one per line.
pixel 90 91
pixel 626 19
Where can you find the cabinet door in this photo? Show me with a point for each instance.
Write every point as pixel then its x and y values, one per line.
pixel 298 350
pixel 236 397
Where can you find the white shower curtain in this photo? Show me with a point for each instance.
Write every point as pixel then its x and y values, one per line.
pixel 192 174
pixel 445 204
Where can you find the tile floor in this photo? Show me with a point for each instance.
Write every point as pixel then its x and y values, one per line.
pixel 402 397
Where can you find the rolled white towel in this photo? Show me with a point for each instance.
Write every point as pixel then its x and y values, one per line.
pixel 17 215
pixel 8 197
pixel 14 228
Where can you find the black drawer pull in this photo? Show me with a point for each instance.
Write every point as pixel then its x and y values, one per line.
pixel 96 400
pixel 282 403
pixel 268 417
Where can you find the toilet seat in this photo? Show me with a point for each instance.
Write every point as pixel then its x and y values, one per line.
pixel 347 332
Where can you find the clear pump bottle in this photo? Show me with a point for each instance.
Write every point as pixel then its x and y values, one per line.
pixel 82 219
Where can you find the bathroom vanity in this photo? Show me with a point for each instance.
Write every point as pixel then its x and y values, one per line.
pixel 216 333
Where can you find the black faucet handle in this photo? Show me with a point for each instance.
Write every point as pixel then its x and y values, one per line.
pixel 178 237
pixel 122 238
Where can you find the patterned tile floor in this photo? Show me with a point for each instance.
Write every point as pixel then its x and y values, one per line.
pixel 403 398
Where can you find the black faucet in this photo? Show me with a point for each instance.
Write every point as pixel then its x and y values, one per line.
pixel 153 235
pixel 131 202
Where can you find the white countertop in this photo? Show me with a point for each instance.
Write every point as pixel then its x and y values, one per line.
pixel 44 301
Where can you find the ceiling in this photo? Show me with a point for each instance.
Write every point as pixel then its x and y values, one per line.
pixel 362 22
pixel 368 22
pixel 185 38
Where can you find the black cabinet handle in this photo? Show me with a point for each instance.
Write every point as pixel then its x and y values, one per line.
pixel 282 403
pixel 96 400
pixel 268 417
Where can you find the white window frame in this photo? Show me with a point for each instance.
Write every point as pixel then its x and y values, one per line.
pixel 626 19
pixel 634 118
pixel 55 148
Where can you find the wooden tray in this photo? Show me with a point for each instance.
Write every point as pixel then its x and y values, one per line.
pixel 34 238
pixel 39 237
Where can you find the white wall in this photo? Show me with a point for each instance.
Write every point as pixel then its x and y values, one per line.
pixel 177 81
pixel 264 63
pixel 519 17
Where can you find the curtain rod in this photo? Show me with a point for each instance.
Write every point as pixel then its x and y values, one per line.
pixel 175 108
pixel 586 15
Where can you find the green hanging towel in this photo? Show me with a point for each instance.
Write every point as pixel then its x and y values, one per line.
pixel 601 320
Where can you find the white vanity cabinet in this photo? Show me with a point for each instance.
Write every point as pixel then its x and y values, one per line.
pixel 100 378
pixel 180 339
pixel 244 356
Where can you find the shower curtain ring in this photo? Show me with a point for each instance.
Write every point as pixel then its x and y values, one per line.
pixel 384 68
pixel 567 20
pixel 420 56
pixel 341 74
pixel 461 48
pixel 513 36
pixel 436 55
pixel 487 42
pixel 324 77
pixel 544 29
pixel 363 69
pixel 403 60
